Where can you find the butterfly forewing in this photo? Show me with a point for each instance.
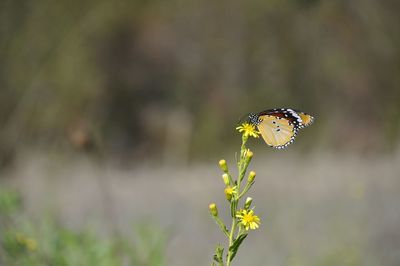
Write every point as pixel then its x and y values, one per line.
pixel 285 113
pixel 276 132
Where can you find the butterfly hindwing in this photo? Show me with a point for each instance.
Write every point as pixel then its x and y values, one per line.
pixel 277 132
pixel 305 118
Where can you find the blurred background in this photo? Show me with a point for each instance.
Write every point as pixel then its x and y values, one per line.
pixel 114 114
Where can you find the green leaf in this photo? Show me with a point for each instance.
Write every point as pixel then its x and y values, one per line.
pixel 236 244
pixel 219 254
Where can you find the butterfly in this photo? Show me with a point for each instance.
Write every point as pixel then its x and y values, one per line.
pixel 280 126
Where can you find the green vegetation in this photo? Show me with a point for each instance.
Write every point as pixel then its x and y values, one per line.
pixel 24 242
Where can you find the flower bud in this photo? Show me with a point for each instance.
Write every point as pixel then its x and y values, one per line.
pixel 223 166
pixel 249 154
pixel 229 191
pixel 213 209
pixel 248 202
pixel 252 176
pixel 225 177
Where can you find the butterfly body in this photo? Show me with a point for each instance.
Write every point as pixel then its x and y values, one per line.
pixel 279 127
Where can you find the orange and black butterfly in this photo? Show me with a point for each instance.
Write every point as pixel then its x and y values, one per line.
pixel 279 127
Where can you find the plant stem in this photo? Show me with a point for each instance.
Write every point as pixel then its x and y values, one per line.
pixel 241 169
pixel 233 227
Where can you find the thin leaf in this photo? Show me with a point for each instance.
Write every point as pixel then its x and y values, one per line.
pixel 236 244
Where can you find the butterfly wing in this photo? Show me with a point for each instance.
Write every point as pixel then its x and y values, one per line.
pixel 285 113
pixel 279 127
pixel 305 118
pixel 276 131
pixel 298 118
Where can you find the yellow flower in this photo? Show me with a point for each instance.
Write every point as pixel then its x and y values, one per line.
pixel 229 191
pixel 248 130
pixel 248 219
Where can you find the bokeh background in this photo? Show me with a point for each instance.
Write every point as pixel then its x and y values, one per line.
pixel 113 115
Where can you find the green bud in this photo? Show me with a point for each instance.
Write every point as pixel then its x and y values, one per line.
pixel 229 192
pixel 248 202
pixel 225 177
pixel 213 209
pixel 249 154
pixel 223 165
pixel 252 176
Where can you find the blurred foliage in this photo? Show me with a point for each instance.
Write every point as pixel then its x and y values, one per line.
pixel 170 78
pixel 45 242
pixel 343 256
pixel 9 201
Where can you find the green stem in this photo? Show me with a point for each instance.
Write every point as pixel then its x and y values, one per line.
pixel 246 188
pixel 242 170
pixel 242 162
pixel 233 227
pixel 221 225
